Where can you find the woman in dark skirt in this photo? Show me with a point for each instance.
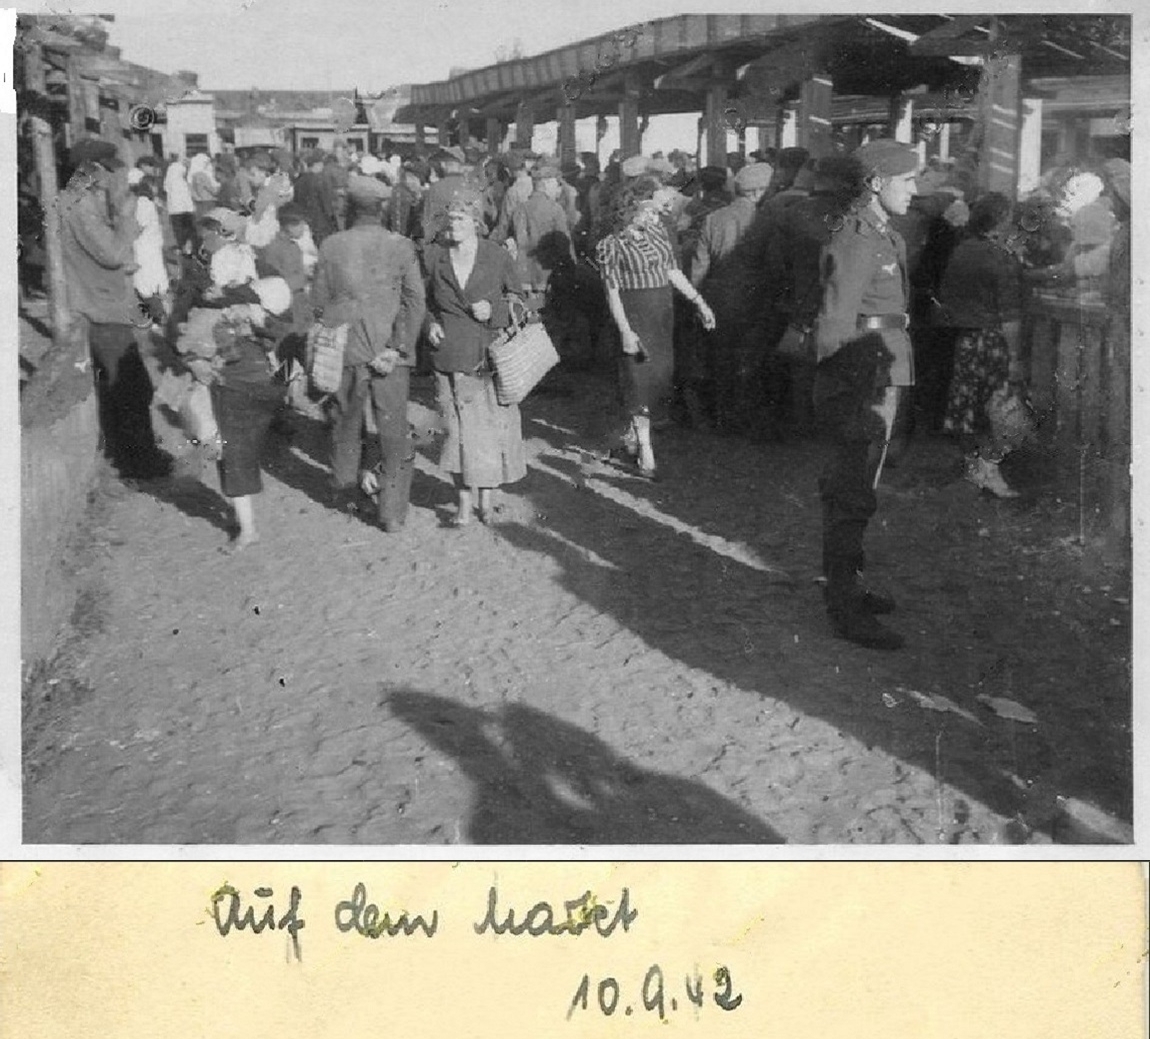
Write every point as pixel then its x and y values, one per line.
pixel 639 270
pixel 246 395
pixel 981 294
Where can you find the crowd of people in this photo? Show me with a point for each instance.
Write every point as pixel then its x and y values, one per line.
pixel 757 298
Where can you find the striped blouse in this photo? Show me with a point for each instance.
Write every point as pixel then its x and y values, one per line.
pixel 636 258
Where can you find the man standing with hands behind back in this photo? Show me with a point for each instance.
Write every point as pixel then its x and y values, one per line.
pixel 369 279
pixel 864 362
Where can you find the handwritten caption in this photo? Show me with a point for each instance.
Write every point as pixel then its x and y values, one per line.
pixel 661 993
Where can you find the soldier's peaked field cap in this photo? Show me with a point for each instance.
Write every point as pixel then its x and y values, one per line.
pixel 887 157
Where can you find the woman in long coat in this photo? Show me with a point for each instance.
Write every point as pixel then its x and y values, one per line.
pixel 469 283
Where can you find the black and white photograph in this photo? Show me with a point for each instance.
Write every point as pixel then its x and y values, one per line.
pixel 574 424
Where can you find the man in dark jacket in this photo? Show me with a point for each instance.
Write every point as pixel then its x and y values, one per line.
pixel 369 279
pixel 97 231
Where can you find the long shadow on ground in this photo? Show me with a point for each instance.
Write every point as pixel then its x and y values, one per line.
pixel 968 628
pixel 541 780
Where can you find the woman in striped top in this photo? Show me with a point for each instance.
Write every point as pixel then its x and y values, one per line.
pixel 637 262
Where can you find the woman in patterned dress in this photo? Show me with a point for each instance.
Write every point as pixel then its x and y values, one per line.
pixel 981 293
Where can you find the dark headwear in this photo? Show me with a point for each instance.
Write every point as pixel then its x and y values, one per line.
pixel 259 161
pixel 713 178
pixel 839 173
pixel 886 157
pixel 97 150
pixel 792 159
pixel 291 213
pixel 466 198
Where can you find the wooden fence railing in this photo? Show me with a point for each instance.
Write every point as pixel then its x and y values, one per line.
pixel 1078 352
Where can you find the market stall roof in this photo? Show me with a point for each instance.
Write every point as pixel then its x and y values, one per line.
pixel 672 61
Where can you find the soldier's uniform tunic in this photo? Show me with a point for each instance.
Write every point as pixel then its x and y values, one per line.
pixel 865 359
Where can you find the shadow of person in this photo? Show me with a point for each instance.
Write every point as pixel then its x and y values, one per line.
pixel 542 780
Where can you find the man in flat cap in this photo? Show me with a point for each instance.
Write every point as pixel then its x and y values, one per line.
pixel 541 235
pixel 727 270
pixel 368 278
pixel 864 362
pixel 97 230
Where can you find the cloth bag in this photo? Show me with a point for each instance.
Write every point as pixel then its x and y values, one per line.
pixel 1010 416
pixel 325 349
pixel 521 355
pixel 199 420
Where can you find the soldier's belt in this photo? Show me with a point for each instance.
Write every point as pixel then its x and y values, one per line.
pixel 877 322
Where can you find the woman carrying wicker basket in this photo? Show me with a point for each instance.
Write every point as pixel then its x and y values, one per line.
pixel 469 282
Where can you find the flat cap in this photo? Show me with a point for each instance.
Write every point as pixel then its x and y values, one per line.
pixel 635 166
pixel 259 160
pixel 95 149
pixel 886 157
pixel 755 177
pixel 367 189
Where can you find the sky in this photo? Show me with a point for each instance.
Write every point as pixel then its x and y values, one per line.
pixel 372 44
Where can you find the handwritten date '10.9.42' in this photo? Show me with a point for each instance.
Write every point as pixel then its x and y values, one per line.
pixel 655 994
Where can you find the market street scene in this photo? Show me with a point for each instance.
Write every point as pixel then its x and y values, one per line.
pixel 685 430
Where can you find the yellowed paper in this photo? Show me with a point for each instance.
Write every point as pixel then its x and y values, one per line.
pixel 721 950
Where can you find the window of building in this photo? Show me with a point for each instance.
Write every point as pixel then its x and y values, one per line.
pixel 309 142
pixel 195 143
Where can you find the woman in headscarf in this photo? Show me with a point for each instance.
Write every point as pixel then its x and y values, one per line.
pixel 981 294
pixel 226 323
pixel 637 263
pixel 202 183
pixel 151 275
pixel 469 282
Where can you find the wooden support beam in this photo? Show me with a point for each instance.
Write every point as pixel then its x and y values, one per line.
pixel 464 130
pixel 1030 145
pixel 493 135
pixel 629 143
pixel 902 118
pixel 565 115
pixel 789 126
pixel 814 115
pixel 1000 110
pixel 715 116
pixel 443 132
pixel 44 155
pixel 420 135
pixel 524 126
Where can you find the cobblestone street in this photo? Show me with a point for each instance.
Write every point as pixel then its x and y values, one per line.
pixel 614 661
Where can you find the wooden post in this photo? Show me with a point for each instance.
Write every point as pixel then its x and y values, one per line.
pixel 716 120
pixel 1030 146
pixel 813 130
pixel 45 157
pixel 464 131
pixel 420 135
pixel 789 130
pixel 629 143
pixel 566 118
pixel 944 141
pixel 443 132
pixel 524 126
pixel 999 111
pixel 494 135
pixel 902 118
